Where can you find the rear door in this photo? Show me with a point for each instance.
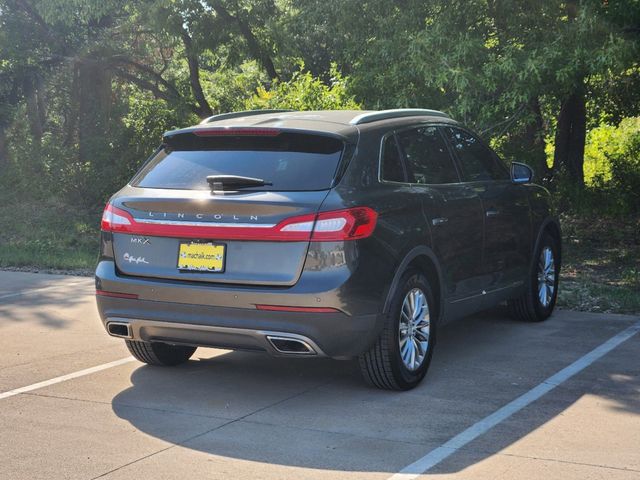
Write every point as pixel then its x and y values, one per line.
pixel 179 228
pixel 452 209
pixel 505 209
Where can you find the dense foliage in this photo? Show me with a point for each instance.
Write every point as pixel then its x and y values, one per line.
pixel 88 86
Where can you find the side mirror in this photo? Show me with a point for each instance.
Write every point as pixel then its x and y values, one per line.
pixel 521 173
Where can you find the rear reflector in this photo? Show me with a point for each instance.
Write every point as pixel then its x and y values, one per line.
pixel 104 293
pixel 217 132
pixel 284 308
pixel 337 225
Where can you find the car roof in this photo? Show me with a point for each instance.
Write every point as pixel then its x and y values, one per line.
pixel 343 123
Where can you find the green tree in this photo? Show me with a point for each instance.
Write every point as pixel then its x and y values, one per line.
pixel 72 65
pixel 497 65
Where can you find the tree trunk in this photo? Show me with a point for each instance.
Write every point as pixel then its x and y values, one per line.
pixel 539 142
pixel 570 139
pixel 256 50
pixel 4 154
pixel 33 114
pixel 94 95
pixel 8 100
pixel 41 102
pixel 194 75
pixel 533 141
pixel 72 107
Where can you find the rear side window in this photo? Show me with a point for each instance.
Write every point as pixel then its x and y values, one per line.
pixel 392 167
pixel 427 158
pixel 478 161
pixel 289 161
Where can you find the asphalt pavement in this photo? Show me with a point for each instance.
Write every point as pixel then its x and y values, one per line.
pixel 502 400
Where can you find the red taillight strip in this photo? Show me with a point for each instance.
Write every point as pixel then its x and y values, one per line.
pixel 104 293
pixel 285 308
pixel 338 225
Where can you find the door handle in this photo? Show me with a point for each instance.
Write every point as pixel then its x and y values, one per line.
pixel 492 212
pixel 439 221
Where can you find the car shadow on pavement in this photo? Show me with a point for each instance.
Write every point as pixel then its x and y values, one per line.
pixel 317 413
pixel 36 307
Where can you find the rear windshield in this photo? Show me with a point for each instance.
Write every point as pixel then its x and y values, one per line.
pixel 289 161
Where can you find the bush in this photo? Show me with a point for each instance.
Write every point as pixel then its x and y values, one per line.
pixel 612 173
pixel 605 142
pixel 625 175
pixel 305 92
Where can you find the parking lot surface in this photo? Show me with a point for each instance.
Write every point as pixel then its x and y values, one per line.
pixel 73 404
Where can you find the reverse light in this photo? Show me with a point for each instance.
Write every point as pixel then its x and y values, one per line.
pixel 114 218
pixel 337 225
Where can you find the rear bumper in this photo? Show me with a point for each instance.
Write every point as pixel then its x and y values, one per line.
pixel 225 316
pixel 276 343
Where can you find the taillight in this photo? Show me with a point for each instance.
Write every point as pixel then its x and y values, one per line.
pixel 337 225
pixel 114 219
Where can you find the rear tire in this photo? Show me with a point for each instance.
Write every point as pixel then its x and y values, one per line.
pixel 539 300
pixel 162 354
pixel 387 364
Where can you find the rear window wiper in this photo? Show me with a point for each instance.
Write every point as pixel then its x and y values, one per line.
pixel 234 182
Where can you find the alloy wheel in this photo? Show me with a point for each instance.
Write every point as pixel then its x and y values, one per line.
pixel 414 329
pixel 546 276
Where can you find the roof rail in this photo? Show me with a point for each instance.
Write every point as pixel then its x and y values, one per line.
pixel 396 113
pixel 247 113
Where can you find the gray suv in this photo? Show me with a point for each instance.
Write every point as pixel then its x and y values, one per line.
pixel 345 234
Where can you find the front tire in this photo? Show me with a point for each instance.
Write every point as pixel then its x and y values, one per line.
pixel 400 358
pixel 539 300
pixel 161 354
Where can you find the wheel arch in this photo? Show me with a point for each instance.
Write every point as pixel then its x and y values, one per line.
pixel 422 258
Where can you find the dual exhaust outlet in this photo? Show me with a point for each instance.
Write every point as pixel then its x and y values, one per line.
pixel 283 344
pixel 290 345
pixel 119 329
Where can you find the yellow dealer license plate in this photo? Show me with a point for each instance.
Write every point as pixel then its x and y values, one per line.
pixel 201 257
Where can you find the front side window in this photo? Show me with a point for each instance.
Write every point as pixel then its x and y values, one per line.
pixel 478 162
pixel 426 156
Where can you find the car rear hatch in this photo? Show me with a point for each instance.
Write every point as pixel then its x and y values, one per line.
pixel 173 222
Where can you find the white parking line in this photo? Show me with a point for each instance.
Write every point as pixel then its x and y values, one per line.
pixel 450 447
pixel 34 290
pixel 64 378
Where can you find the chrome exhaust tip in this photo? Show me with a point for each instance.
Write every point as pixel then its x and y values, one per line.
pixel 119 329
pixel 290 346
